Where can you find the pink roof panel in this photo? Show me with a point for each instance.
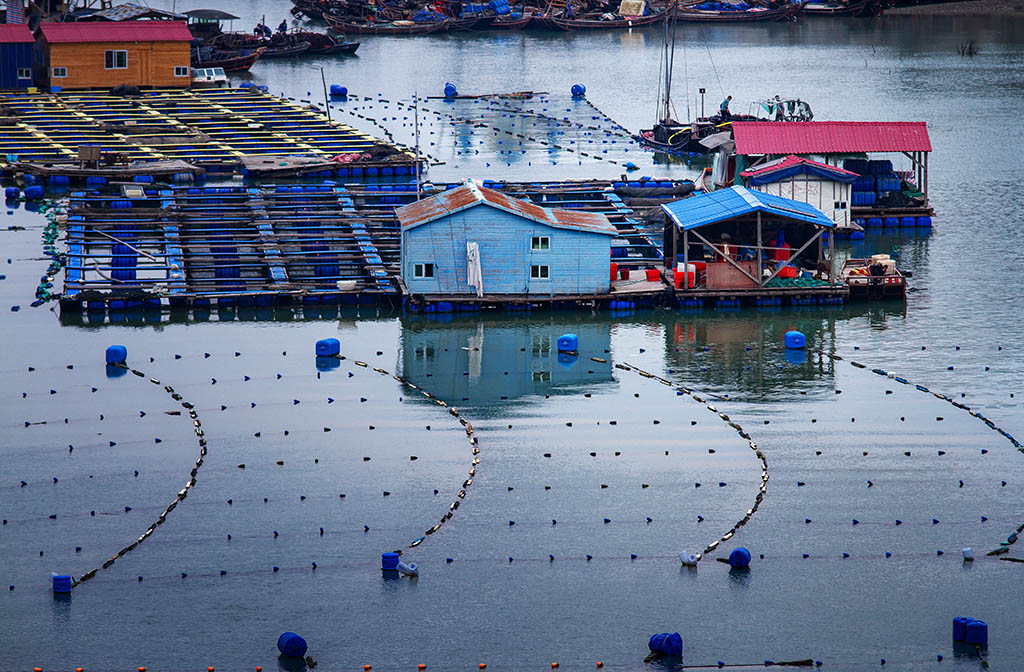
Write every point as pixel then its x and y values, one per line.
pixel 830 137
pixel 15 33
pixel 116 31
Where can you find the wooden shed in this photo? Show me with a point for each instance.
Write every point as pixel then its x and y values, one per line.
pixel 102 55
pixel 826 187
pixel 16 44
pixel 475 241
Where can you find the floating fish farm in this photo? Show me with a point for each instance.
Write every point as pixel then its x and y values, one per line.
pixel 156 247
pixel 179 134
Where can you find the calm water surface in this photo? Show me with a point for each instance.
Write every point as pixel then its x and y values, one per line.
pixel 821 423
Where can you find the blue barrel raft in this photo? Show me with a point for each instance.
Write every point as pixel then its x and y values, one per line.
pixel 450 91
pixel 328 347
pixel 339 91
pixel 976 632
pixel 61 582
pixel 568 343
pixel 291 645
pixel 795 340
pixel 665 644
pixel 739 558
pixel 578 90
pixel 389 561
pixel 117 354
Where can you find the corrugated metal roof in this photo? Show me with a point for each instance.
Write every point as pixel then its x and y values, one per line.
pixel 470 195
pixel 725 204
pixel 129 11
pixel 780 169
pixel 830 137
pixel 119 31
pixel 210 15
pixel 14 33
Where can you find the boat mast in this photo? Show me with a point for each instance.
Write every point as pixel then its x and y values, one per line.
pixel 670 58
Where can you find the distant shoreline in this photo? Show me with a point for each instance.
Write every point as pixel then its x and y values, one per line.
pixel 963 8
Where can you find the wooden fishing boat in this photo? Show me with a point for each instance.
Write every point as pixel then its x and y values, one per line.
pixel 337 48
pixel 843 8
pixel 596 22
pixel 285 50
pixel 464 23
pixel 230 61
pixel 393 28
pixel 783 13
pixel 503 23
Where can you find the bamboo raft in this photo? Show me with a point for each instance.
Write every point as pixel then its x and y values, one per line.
pixel 190 247
pixel 214 130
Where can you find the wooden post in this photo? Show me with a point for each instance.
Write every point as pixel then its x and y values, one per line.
pixel 675 242
pixel 925 190
pixel 760 256
pixel 686 261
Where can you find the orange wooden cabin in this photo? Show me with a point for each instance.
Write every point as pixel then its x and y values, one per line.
pixel 102 55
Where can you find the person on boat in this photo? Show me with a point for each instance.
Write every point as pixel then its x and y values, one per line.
pixel 267 32
pixel 283 28
pixel 258 30
pixel 780 109
pixel 723 109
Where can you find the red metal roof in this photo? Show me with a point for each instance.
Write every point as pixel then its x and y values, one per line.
pixel 14 33
pixel 830 137
pixel 116 31
pixel 790 161
pixel 470 195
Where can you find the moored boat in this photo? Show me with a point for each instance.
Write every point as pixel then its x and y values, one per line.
pixel 607 21
pixel 285 50
pixel 230 61
pixel 391 28
pixel 505 23
pixel 718 12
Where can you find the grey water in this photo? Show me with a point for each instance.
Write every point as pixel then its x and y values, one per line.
pixel 826 427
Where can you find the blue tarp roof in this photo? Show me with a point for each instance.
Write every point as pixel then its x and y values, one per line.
pixel 725 204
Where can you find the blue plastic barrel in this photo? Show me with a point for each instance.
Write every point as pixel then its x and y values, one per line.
pixel 389 561
pixel 33 193
pixel 568 343
pixel 328 347
pixel 450 91
pixel 739 558
pixel 874 221
pixel 924 221
pixel 891 221
pixel 339 91
pixel 976 632
pixel 61 583
pixel 578 90
pixel 117 354
pixel 908 221
pixel 960 628
pixel 795 340
pixel 12 193
pixel 291 645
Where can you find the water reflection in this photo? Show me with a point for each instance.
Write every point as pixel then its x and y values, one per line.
pixel 482 359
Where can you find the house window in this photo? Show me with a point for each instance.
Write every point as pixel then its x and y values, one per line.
pixel 422 270
pixel 24 73
pixel 115 59
pixel 181 71
pixel 540 243
pixel 539 272
pixel 59 72
pixel 839 205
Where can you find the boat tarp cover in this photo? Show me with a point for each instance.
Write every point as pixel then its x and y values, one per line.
pixel 666 644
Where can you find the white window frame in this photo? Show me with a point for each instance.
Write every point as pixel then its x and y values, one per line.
pixel 113 59
pixel 540 272
pixel 59 72
pixel 182 71
pixel 24 73
pixel 540 243
pixel 421 271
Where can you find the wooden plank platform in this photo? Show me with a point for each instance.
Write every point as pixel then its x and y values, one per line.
pixel 214 129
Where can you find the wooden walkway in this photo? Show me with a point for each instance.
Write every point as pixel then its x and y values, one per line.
pixel 215 129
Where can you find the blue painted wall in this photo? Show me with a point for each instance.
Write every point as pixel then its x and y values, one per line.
pixel 14 56
pixel 578 260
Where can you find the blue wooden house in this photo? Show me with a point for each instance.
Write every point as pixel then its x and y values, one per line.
pixel 475 241
pixel 16 47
